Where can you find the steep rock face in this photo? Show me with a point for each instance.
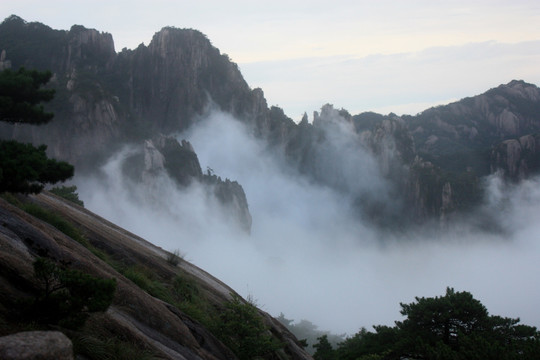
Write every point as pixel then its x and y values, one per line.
pixel 135 316
pixel 367 159
pixel 518 158
pixel 460 142
pixel 164 154
pixel 458 136
pixel 87 117
pixel 176 77
pixel 104 98
pixel 430 193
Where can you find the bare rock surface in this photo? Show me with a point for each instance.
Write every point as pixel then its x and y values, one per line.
pixel 36 345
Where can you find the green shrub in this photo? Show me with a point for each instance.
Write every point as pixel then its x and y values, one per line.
pixel 69 193
pixel 188 298
pixel 146 281
pixel 242 330
pixel 66 297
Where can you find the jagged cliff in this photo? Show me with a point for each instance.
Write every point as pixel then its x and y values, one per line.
pixel 105 98
pixel 517 158
pixel 148 311
pixel 430 163
pixel 164 154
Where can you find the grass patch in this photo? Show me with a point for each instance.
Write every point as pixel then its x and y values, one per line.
pixel 97 348
pixel 55 220
pixel 59 222
pixel 101 340
pixel 144 279
pixel 188 298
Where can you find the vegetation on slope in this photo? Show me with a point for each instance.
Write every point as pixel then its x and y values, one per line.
pixel 230 321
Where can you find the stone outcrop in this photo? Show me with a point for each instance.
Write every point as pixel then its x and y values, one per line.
pixel 36 345
pixel 518 158
pixel 164 154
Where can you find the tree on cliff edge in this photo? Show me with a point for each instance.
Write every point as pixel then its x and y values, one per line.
pixel 23 167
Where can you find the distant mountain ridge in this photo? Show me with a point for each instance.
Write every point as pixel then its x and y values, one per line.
pixel 431 163
pixel 472 125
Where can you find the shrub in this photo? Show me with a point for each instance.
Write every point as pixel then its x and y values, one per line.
pixel 146 281
pixel 66 297
pixel 174 257
pixel 242 330
pixel 69 193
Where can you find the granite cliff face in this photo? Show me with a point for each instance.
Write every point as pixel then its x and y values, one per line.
pixel 430 163
pixel 459 136
pixel 105 98
pixel 165 155
pixel 517 158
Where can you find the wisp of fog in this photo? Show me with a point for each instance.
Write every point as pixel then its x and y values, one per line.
pixel 309 255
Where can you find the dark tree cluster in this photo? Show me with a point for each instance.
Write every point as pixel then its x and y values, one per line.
pixel 66 297
pixel 24 168
pixel 21 96
pixel 455 326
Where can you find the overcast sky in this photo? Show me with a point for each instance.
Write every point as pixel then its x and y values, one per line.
pixel 400 56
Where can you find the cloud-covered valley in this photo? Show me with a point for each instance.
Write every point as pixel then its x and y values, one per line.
pixel 309 255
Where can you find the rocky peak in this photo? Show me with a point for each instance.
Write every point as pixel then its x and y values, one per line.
pixel 172 42
pixel 521 89
pixel 165 155
pixel 89 47
pixel 517 158
pixel 453 135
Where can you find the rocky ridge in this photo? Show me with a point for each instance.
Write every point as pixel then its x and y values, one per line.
pixel 432 161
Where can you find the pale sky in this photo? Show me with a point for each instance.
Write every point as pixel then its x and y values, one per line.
pixel 400 56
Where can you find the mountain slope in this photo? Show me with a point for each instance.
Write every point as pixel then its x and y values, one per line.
pixel 154 319
pixel 459 136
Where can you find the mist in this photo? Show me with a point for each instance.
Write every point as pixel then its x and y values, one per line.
pixel 309 255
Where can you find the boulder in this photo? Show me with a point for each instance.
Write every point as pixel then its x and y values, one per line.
pixel 36 345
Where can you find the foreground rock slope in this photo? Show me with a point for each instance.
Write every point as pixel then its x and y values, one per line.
pixel 147 322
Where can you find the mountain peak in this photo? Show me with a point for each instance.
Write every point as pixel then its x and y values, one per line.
pixel 14 18
pixel 517 89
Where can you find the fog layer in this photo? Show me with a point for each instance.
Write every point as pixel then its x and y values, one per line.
pixel 308 256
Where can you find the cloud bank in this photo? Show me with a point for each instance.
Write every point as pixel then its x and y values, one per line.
pixel 308 255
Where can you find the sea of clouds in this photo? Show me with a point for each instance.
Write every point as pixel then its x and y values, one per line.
pixel 309 255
